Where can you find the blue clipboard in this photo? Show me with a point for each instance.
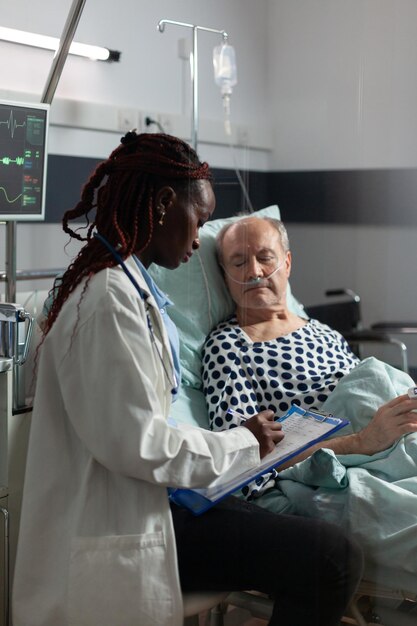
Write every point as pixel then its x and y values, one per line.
pixel 302 428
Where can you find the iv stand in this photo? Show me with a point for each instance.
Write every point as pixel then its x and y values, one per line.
pixel 194 68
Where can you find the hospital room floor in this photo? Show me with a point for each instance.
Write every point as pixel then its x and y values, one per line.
pixel 389 611
pixel 236 617
pixel 241 617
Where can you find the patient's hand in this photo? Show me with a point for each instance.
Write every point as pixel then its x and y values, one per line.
pixel 390 422
pixel 267 431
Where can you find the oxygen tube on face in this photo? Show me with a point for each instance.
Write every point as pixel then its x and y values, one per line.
pixel 258 280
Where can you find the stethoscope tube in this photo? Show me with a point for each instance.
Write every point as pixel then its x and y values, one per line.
pixel 120 261
pixel 144 297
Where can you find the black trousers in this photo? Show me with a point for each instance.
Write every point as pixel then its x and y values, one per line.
pixel 310 568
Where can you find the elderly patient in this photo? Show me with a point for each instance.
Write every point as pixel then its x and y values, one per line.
pixel 266 357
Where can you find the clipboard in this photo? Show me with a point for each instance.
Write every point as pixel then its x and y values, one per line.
pixel 302 428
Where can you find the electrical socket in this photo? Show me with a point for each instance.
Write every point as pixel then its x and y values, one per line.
pixel 127 119
pixel 148 128
pixel 166 124
pixel 161 123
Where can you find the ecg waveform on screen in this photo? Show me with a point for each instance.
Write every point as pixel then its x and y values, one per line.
pixel 12 124
pixel 23 132
pixel 10 200
pixel 8 160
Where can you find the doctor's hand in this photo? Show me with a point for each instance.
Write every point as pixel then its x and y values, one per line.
pixel 267 431
pixel 390 422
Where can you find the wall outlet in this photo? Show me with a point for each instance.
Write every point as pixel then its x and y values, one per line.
pixel 156 123
pixel 127 119
pixel 166 124
pixel 148 119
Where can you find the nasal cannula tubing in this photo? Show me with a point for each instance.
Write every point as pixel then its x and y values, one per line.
pixel 257 279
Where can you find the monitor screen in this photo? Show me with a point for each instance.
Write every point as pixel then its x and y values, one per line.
pixel 23 157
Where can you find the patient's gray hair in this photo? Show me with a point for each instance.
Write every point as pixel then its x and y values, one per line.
pixel 277 224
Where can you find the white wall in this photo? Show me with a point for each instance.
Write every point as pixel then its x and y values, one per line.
pixel 342 89
pixel 342 84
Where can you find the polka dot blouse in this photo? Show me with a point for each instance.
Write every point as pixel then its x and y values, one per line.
pixel 248 376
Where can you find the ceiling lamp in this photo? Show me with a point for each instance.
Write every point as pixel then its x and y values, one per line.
pixel 95 53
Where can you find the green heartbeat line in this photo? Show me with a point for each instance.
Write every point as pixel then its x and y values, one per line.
pixel 8 160
pixel 12 124
pixel 7 197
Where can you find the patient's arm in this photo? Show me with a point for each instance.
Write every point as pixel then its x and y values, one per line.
pixel 390 422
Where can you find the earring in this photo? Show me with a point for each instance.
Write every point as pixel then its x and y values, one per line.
pixel 161 217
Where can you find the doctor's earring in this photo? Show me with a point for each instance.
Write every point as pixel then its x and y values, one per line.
pixel 161 216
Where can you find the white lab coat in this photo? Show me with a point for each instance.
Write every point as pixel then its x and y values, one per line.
pixel 96 544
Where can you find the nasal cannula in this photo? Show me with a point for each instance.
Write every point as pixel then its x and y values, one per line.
pixel 258 280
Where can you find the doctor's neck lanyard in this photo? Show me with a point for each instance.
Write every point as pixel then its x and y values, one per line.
pixel 144 297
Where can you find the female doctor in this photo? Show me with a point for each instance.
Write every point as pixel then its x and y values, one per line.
pixel 100 544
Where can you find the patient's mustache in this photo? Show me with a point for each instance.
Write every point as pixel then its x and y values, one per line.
pixel 257 282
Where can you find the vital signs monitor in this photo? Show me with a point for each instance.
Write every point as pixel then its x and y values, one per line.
pixel 23 160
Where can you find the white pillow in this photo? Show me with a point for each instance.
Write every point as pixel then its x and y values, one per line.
pixel 201 298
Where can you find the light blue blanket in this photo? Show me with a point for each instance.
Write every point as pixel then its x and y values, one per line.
pixel 374 497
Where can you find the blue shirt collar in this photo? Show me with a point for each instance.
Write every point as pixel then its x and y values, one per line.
pixel 160 297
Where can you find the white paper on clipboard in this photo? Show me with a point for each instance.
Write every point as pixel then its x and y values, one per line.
pixel 302 429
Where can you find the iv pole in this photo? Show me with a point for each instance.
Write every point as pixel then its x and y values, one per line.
pixel 194 68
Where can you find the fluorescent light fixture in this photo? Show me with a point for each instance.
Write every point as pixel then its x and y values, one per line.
pixel 96 53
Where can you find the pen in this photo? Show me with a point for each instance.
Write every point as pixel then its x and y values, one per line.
pixel 237 414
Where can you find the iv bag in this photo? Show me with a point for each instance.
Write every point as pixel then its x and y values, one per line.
pixel 224 62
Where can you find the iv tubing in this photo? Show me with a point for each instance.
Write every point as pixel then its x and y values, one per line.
pixel 237 171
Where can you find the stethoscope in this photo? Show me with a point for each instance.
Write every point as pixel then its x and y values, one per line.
pixel 144 296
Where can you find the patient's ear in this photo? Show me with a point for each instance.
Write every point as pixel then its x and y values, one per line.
pixel 288 262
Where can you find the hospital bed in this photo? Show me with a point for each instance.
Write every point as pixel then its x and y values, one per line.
pixel 202 301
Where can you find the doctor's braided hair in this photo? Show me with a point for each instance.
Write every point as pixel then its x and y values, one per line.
pixel 120 196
